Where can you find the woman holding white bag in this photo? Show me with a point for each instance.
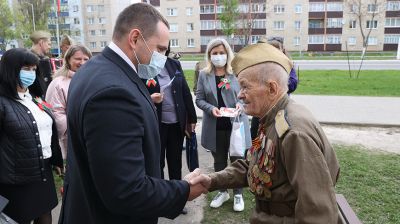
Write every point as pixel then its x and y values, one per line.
pixel 218 87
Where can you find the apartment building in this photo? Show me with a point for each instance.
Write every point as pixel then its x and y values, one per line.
pixel 305 25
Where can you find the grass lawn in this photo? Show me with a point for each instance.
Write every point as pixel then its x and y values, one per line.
pixel 338 83
pixel 370 181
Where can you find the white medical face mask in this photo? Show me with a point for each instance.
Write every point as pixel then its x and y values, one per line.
pixel 155 66
pixel 219 60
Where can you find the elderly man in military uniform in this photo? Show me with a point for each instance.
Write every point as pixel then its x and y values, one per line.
pixel 291 167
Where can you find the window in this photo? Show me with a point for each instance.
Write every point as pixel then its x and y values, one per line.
pixel 354 8
pixel 372 8
pixel 100 8
pixel 174 43
pixel 92 45
pixel 372 41
pixel 189 11
pixel 258 7
pixel 259 24
pixel 353 24
pixel 298 8
pixel 314 23
pixel 173 27
pixel 393 6
pixel 75 8
pixel 334 6
pixel 102 20
pixel 352 40
pixel 243 8
pixel 254 39
pixel 91 20
pixel 76 21
pixel 189 27
pixel 391 39
pixel 206 9
pixel 296 41
pixel 279 25
pixel 92 32
pixel 334 22
pixel 317 7
pixel 297 24
pixel 207 24
pixel 279 8
pixel 102 32
pixel 78 33
pixel 90 8
pixel 333 39
pixel 204 40
pixel 190 42
pixel 392 22
pixel 172 11
pixel 372 24
pixel 103 44
pixel 220 8
pixel 315 39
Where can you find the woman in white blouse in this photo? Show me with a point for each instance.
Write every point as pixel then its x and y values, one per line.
pixel 28 142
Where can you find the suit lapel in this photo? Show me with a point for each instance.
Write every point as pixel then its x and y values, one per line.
pixel 130 73
pixel 212 84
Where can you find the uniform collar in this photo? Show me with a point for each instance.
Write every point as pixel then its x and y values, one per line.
pixel 269 117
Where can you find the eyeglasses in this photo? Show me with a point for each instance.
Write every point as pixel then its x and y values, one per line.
pixel 279 39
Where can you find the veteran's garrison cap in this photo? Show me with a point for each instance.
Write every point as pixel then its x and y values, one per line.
pixel 257 54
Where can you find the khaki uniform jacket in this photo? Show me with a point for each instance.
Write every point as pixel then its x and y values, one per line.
pixel 301 187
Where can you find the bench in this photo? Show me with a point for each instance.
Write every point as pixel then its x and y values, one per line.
pixel 347 215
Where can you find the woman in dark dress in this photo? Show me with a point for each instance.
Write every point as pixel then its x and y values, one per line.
pixel 28 142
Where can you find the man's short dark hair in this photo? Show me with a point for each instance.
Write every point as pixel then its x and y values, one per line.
pixel 10 65
pixel 141 16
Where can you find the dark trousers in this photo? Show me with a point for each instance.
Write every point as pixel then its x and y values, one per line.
pixel 222 152
pixel 171 147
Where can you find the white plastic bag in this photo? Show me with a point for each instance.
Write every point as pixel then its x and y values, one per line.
pixel 237 144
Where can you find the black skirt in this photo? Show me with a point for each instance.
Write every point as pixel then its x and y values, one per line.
pixel 29 201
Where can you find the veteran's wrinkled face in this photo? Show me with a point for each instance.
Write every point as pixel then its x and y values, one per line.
pixel 253 93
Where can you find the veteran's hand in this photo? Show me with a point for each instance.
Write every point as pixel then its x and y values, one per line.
pixel 157 97
pixel 202 179
pixel 216 112
pixel 195 189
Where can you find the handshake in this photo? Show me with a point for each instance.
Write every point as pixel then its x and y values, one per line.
pixel 199 183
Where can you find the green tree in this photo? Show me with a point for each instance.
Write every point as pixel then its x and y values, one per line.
pixel 7 31
pixel 24 17
pixel 228 17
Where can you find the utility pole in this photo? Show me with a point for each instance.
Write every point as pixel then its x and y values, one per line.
pixel 33 16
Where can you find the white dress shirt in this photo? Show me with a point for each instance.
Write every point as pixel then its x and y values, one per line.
pixel 43 121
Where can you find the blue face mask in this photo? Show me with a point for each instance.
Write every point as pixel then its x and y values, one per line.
pixel 27 78
pixel 155 66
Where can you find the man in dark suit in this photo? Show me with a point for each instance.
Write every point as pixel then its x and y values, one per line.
pixel 113 164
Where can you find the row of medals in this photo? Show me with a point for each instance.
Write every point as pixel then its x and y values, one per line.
pixel 263 166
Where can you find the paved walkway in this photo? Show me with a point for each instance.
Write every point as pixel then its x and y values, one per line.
pixel 354 110
pixel 365 111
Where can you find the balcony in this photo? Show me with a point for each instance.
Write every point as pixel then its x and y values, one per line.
pixel 60 26
pixel 312 31
pixel 61 14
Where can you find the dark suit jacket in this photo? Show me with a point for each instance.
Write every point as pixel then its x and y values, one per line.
pixel 113 163
pixel 182 97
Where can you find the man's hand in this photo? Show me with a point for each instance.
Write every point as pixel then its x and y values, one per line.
pixel 202 179
pixel 157 97
pixel 195 189
pixel 216 112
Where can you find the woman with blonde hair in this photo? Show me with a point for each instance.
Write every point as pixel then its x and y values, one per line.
pixel 218 87
pixel 57 91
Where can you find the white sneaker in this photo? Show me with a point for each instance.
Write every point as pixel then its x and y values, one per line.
pixel 238 203
pixel 219 199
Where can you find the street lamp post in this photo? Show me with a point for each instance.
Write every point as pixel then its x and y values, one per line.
pixel 33 15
